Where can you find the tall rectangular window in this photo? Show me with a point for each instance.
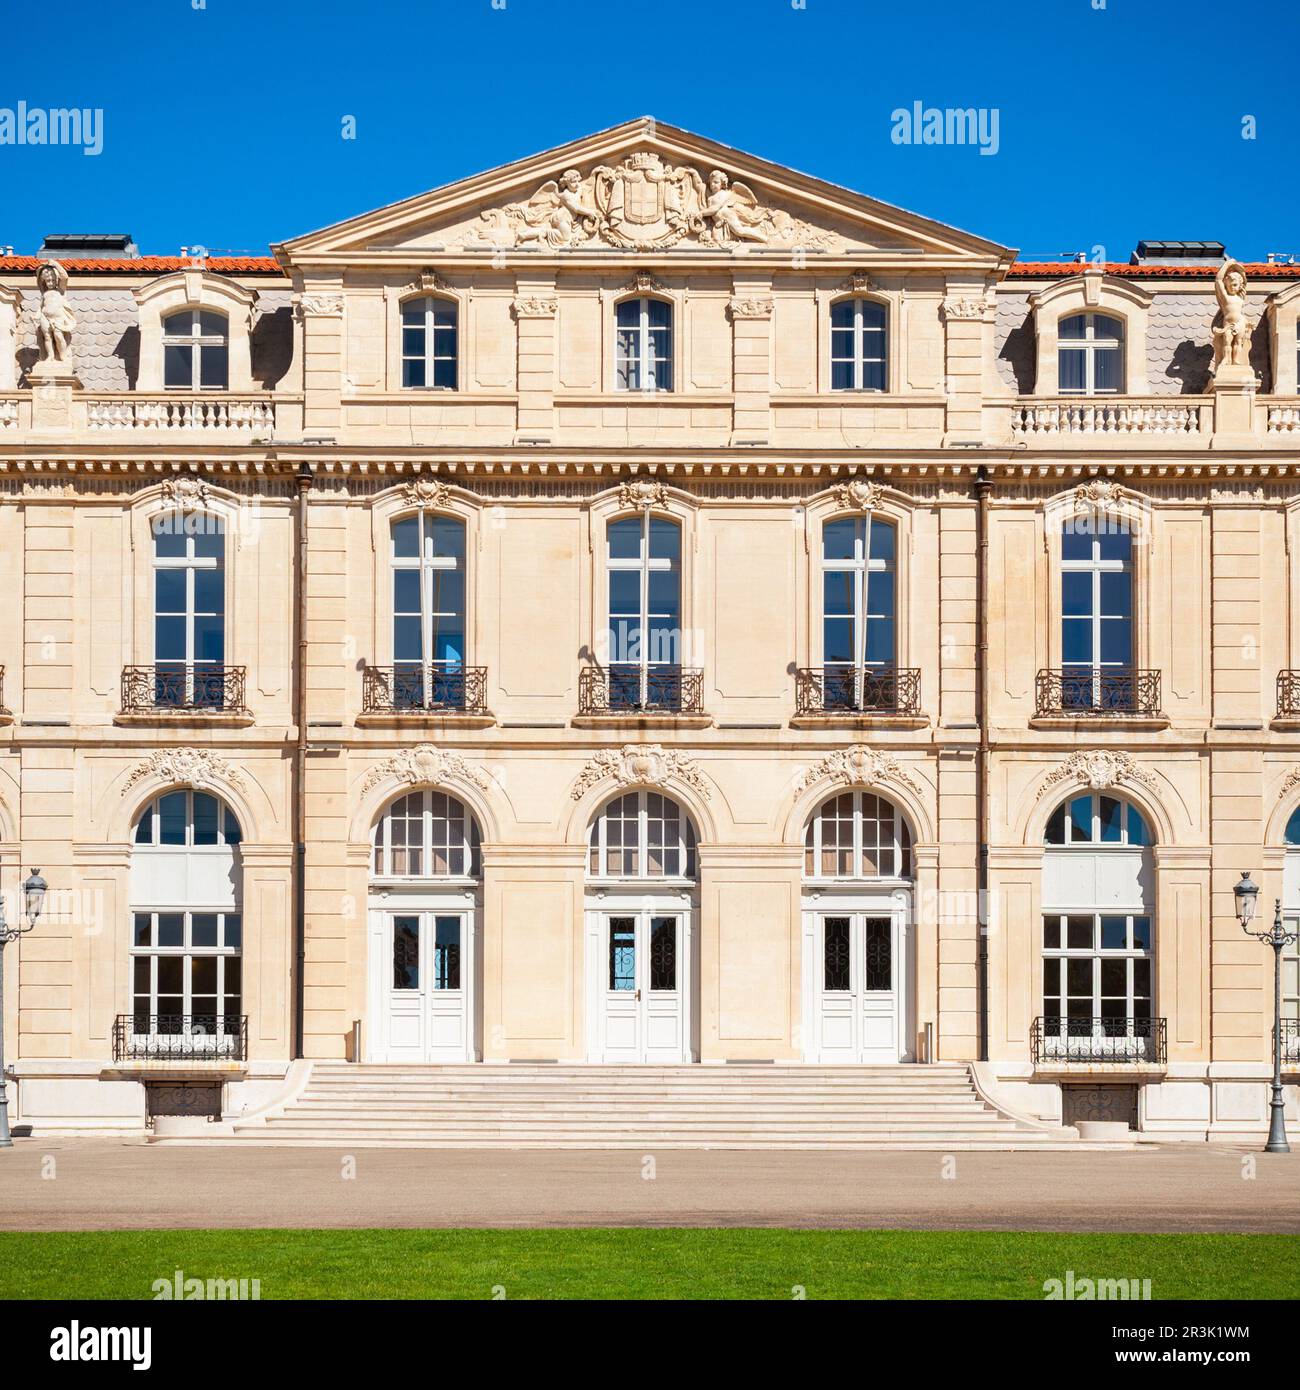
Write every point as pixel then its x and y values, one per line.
pixel 859 353
pixel 859 559
pixel 189 609
pixel 429 343
pixel 644 345
pixel 643 559
pixel 1097 612
pixel 428 562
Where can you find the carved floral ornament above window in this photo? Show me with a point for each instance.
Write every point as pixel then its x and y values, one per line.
pixel 643 203
pixel 193 767
pixel 426 492
pixel 318 306
pixel 425 765
pixel 640 493
pixel 640 764
pixel 1099 769
pixel 859 494
pixel 858 766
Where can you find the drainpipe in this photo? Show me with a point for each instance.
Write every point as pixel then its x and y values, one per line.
pixel 303 481
pixel 982 489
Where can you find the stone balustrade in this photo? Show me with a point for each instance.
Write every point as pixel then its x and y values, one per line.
pixel 1129 415
pixel 223 414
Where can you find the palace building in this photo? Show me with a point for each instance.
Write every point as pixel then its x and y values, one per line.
pixel 643 605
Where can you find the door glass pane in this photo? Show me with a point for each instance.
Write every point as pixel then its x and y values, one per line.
pixel 446 953
pixel 622 953
pixel 663 953
pixel 406 953
pixel 878 964
pixel 836 953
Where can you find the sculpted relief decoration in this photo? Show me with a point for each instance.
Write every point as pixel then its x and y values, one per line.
pixel 644 204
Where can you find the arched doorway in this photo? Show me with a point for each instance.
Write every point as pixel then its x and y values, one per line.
pixel 858 947
pixel 1098 931
pixel 642 958
pixel 186 900
pixel 425 906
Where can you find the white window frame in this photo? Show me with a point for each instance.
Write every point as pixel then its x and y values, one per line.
pixel 901 847
pixel 644 564
pixel 685 844
pixel 429 564
pixel 191 563
pixel 1090 345
pixel 858 358
pixel 431 304
pixel 860 566
pixel 466 847
pixel 196 341
pixel 1095 565
pixel 644 361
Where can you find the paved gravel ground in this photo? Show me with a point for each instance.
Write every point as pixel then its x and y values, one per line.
pixel 113 1184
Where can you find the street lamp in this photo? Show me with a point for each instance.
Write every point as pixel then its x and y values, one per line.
pixel 33 900
pixel 1247 893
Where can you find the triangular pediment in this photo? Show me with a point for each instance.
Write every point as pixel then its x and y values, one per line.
pixel 643 188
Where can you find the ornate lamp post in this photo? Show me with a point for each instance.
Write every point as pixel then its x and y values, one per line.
pixel 33 901
pixel 1247 893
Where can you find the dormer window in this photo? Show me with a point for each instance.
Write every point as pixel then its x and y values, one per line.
pixel 1091 355
pixel 429 343
pixel 196 351
pixel 859 351
pixel 644 345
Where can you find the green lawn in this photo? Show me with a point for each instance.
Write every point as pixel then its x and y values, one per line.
pixel 719 1263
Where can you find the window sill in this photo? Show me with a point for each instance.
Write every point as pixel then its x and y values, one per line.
pixel 1082 723
pixel 879 719
pixel 223 1067
pixel 649 720
pixel 421 718
pixel 1141 1071
pixel 186 718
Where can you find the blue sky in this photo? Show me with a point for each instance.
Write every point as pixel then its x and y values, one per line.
pixel 222 124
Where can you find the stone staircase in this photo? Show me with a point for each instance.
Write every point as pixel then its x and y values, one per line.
pixel 545 1106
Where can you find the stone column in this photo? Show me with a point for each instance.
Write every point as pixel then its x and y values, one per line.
pixel 535 309
pixel 751 309
pixel 319 309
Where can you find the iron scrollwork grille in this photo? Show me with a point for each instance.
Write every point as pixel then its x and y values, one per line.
pixel 836 954
pixel 1291 1041
pixel 1096 1040
pixel 145 1037
pixel 633 689
pixel 1098 691
pixel 858 690
pixel 663 953
pixel 1288 693
pixel 168 687
pixel 417 689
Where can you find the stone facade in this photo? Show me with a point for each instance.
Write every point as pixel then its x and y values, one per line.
pixel 971 452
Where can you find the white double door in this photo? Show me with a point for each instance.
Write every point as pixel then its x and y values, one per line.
pixel 640 979
pixel 423 971
pixel 857 978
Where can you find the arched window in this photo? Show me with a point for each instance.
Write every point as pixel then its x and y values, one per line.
pixel 642 835
pixel 189 585
pixel 859 346
pixel 428 564
pixel 1098 937
pixel 429 348
pixel 857 835
pixel 859 590
pixel 1291 953
pixel 644 345
pixel 1091 355
pixel 196 350
pixel 426 834
pixel 187 926
pixel 644 562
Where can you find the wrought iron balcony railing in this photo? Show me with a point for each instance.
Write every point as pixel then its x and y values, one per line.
pixel 1291 1042
pixel 416 689
pixel 1097 1040
pixel 857 690
pixel 146 1037
pixel 1086 691
pixel 634 689
pixel 1288 694
pixel 175 687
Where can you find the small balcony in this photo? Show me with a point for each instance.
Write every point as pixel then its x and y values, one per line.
pixel 632 691
pixel 145 1037
pixel 217 413
pixel 176 691
pixel 411 690
pixel 1288 696
pixel 857 692
pixel 1081 692
pixel 1078 419
pixel 1097 1042
pixel 1291 1042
